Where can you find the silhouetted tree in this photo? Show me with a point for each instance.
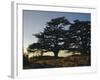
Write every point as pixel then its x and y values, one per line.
pixel 36 47
pixel 80 37
pixel 60 34
pixel 53 36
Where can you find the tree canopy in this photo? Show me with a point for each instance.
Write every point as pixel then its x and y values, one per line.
pixel 60 34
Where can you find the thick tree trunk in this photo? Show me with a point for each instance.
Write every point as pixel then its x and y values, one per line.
pixel 56 53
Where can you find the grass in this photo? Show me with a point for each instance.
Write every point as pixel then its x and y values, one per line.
pixel 51 62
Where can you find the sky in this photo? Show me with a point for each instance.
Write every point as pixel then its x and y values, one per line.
pixel 34 22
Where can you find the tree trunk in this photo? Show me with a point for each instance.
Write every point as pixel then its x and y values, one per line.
pixel 56 53
pixel 41 53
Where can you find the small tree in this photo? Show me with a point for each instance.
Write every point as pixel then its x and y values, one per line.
pixel 36 47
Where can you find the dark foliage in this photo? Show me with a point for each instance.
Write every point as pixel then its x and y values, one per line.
pixel 56 37
pixel 25 60
pixel 80 36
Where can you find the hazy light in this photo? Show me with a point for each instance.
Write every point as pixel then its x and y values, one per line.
pixel 61 53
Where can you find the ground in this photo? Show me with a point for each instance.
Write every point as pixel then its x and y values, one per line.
pixel 51 62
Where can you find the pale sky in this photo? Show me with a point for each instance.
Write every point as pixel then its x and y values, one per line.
pixel 34 22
